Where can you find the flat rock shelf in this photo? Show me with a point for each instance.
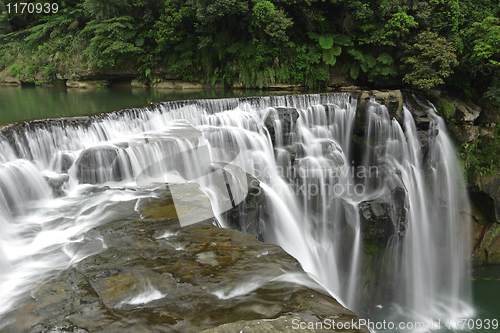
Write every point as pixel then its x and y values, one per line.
pixel 152 275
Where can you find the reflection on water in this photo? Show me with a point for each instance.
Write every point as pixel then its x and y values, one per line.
pixel 18 104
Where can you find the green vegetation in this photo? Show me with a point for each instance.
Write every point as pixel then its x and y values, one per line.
pixel 256 43
pixel 371 246
pixel 482 157
pixel 431 60
pixel 446 109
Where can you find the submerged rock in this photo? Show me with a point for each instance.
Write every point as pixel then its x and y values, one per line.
pixel 56 182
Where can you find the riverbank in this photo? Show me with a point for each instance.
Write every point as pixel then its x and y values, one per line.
pixel 96 79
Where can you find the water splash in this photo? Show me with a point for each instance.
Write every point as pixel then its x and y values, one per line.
pixel 61 178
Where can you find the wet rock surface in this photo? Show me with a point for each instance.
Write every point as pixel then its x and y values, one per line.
pixel 382 220
pixel 392 99
pixel 486 194
pixel 486 243
pixel 97 165
pixel 245 217
pixel 485 198
pixel 376 219
pixel 56 182
pixel 151 275
pixel 288 117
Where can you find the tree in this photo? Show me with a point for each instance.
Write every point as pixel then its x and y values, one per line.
pixel 105 9
pixel 485 38
pixel 431 59
pixel 271 21
pixel 5 27
pixel 113 41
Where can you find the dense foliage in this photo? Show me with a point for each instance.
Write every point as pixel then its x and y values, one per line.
pixel 255 43
pixel 481 157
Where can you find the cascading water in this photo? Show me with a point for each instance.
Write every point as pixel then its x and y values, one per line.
pixel 396 203
pixel 430 243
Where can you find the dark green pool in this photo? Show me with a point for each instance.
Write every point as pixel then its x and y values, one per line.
pixel 18 104
pixel 486 289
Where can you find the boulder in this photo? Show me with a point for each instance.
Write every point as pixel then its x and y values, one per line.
pixel 487 132
pixel 283 86
pixel 376 219
pixel 471 133
pixel 138 84
pixel 245 217
pixel 350 88
pixel 62 162
pixel 466 111
pixel 382 218
pixel 97 165
pixel 288 118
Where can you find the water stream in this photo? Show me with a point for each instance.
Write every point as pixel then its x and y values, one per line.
pixel 394 198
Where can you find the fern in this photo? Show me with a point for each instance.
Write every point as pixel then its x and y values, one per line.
pixel 343 40
pixel 354 72
pixel 112 41
pixel 385 59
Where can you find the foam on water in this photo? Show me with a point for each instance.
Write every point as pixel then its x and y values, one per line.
pixel 111 161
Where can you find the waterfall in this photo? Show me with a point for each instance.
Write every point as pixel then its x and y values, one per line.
pixel 347 188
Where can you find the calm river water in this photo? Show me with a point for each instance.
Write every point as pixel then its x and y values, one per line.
pixel 18 104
